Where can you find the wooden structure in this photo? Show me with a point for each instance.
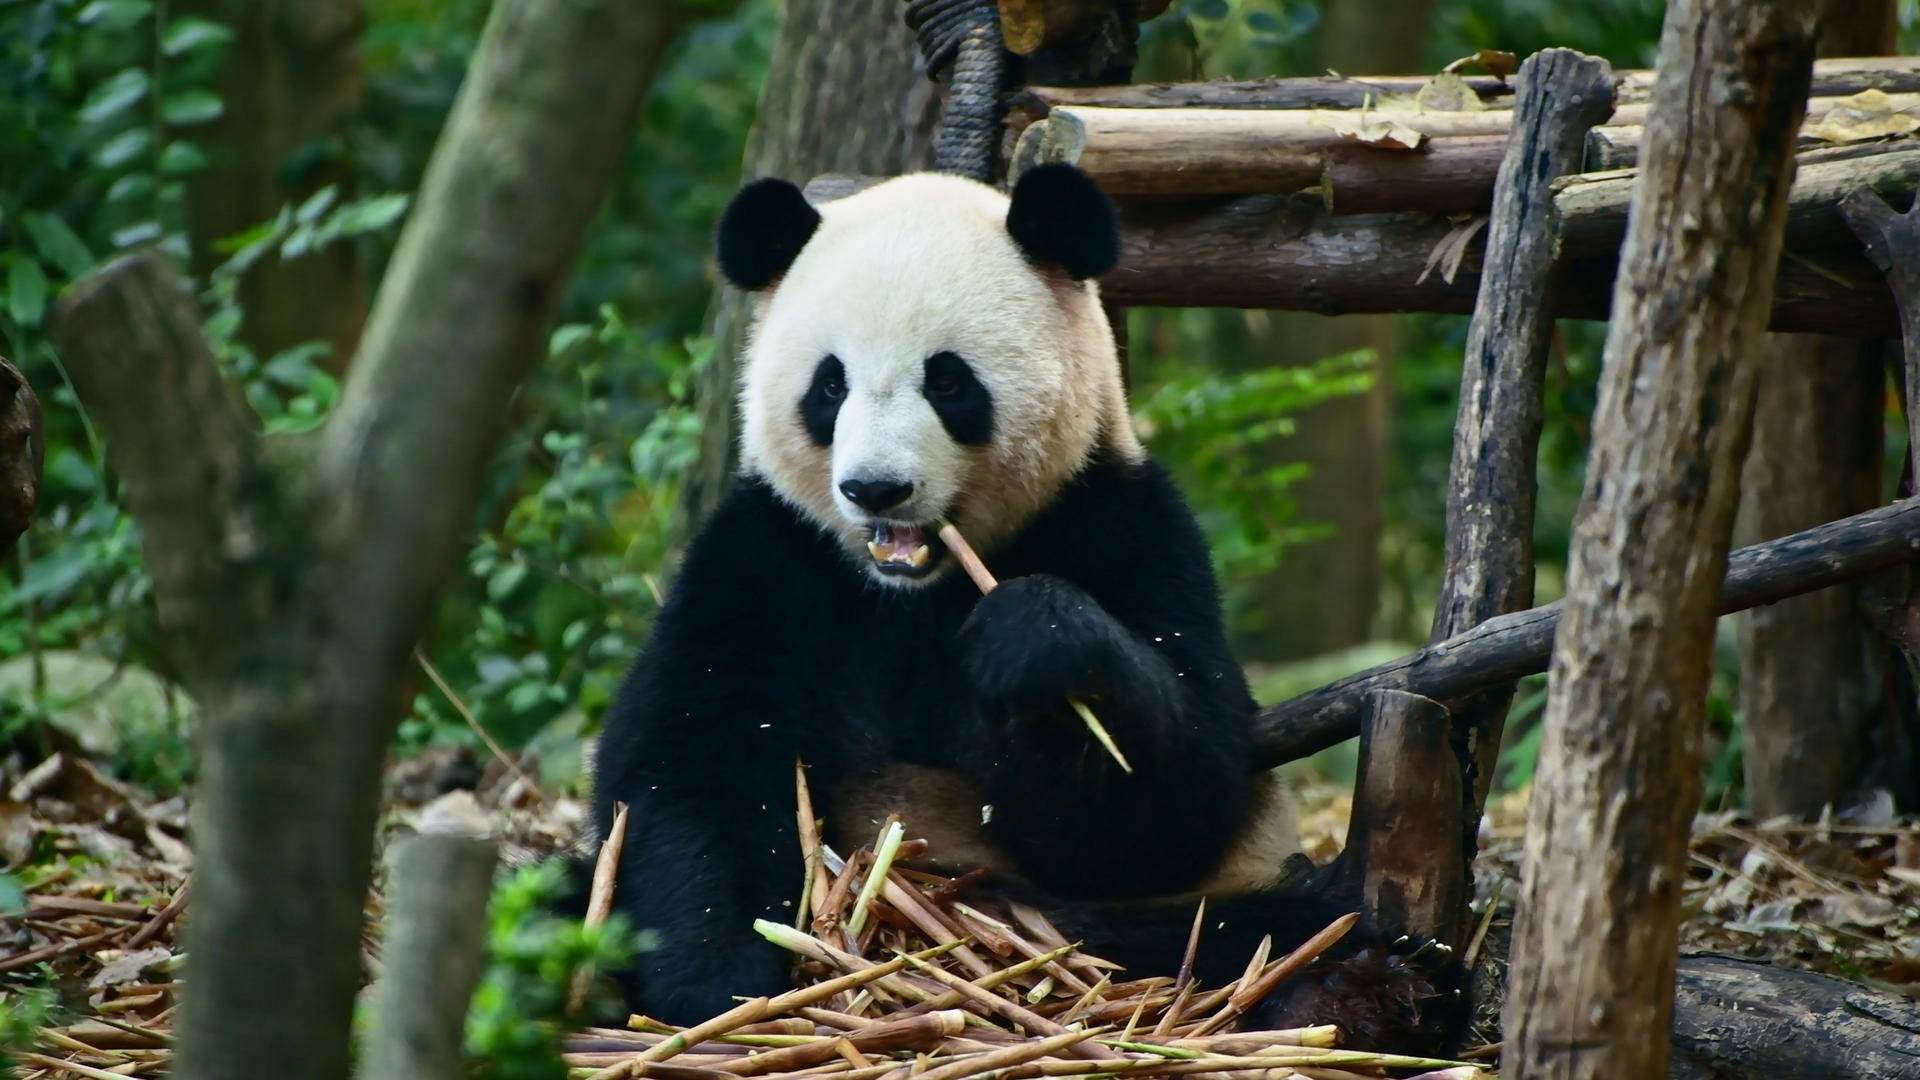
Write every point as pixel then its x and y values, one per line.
pixel 1506 198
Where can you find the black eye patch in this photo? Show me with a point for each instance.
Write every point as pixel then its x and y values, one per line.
pixel 960 400
pixel 821 403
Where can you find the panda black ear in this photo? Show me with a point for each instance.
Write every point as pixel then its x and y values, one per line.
pixel 762 232
pixel 1060 216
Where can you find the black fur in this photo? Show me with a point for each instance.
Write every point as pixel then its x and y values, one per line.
pixel 820 406
pixel 964 405
pixel 774 645
pixel 762 232
pixel 1059 216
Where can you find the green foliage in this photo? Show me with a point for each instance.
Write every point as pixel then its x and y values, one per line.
pixel 22 1015
pixel 1219 434
pixel 521 1007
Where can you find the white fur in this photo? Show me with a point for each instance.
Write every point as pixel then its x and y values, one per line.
pixel 896 273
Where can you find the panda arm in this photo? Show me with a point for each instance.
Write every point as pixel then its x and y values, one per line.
pixel 1116 603
pixel 700 744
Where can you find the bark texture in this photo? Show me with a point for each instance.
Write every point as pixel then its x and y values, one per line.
pixel 290 81
pixel 1287 252
pixel 1738 1019
pixel 23 452
pixel 1496 439
pixel 295 579
pixel 1618 780
pixel 1809 683
pixel 845 92
pixel 1509 647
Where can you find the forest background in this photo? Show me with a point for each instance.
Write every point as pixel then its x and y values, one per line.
pixel 271 149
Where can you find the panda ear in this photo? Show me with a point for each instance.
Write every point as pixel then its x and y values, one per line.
pixel 1060 216
pixel 762 232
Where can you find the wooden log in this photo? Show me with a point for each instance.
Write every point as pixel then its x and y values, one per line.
pixel 1510 647
pixel 1892 242
pixel 1618 778
pixel 1405 859
pixel 1288 253
pixel 1237 151
pixel 1593 209
pixel 1488 567
pixel 1612 147
pixel 1838 77
pixel 1736 1019
pixel 23 451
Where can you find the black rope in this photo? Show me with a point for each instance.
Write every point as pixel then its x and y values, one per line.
pixel 964 35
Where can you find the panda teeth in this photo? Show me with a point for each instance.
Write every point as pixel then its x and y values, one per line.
pixel 878 550
pixel 920 555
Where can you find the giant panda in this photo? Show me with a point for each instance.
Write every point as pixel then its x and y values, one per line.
pixel 925 350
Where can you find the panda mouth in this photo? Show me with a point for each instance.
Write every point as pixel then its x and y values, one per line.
pixel 900 548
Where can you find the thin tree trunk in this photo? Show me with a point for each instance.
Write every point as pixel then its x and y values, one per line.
pixel 845 92
pixel 1591 986
pixel 294 581
pixel 1809 684
pixel 290 83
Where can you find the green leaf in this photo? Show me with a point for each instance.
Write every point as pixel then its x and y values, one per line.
pixel 505 580
pixel 294 368
pixel 114 96
pixel 26 290
pixel 191 106
pixel 316 204
pixel 566 337
pixel 180 158
pixel 58 243
pixel 115 14
pixel 186 33
pixel 369 215
pixel 13 896
pixel 130 186
pixel 51 575
pixel 124 148
pixel 138 233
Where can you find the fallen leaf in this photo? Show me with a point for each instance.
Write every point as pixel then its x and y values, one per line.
pixel 1386 134
pixel 129 967
pixel 1448 92
pixel 1869 114
pixel 1493 61
pixel 1451 251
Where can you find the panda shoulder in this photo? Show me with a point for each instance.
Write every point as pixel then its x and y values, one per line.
pixel 753 550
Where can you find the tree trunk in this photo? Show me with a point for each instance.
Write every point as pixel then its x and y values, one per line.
pixel 845 92
pixel 1324 593
pixel 1618 780
pixel 23 451
pixel 1809 688
pixel 294 580
pixel 290 83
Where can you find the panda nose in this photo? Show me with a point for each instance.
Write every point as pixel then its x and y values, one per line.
pixel 873 496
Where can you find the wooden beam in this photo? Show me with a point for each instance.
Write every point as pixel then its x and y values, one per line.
pixel 1838 77
pixel 1288 253
pixel 1509 647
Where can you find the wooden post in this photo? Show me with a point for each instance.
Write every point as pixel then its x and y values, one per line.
pixel 1618 782
pixel 1402 858
pixel 1496 440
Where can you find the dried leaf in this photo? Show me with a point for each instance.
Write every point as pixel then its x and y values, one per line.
pixel 1451 251
pixel 16 833
pixel 1853 909
pixel 1369 129
pixel 129 967
pixel 1493 61
pixel 1869 114
pixel 1448 92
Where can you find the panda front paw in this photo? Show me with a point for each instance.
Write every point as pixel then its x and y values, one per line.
pixel 1037 641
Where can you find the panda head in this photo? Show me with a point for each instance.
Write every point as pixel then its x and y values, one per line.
pixel 926 349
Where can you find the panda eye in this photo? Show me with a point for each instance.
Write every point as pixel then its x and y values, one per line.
pixel 946 386
pixel 833 388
